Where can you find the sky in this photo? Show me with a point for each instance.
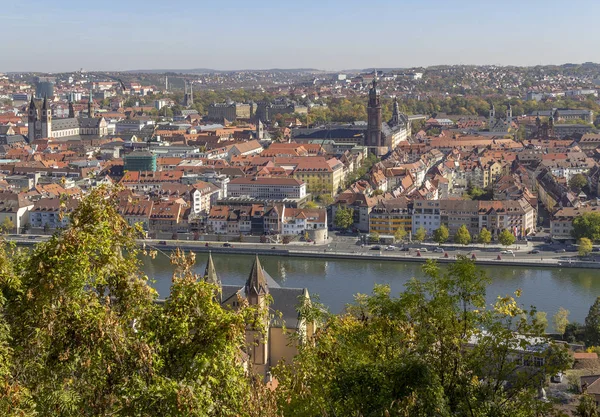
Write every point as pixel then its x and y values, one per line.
pixel 66 35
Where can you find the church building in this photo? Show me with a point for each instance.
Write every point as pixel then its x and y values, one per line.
pixel 40 123
pixel 382 137
pixel 283 319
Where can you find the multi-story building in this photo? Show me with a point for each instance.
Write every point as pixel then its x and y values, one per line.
pixel 267 188
pixel 140 161
pixel 390 215
pixel 426 214
pixel 47 213
pixel 230 111
pixel 516 216
pixel 455 213
pixel 561 221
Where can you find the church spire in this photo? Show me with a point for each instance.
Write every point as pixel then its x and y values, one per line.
pixel 210 275
pixel 256 285
pixel 71 110
pixel 396 112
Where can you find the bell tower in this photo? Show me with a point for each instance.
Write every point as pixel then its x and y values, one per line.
pixel 46 131
pixel 256 290
pixel 375 120
pixel 32 120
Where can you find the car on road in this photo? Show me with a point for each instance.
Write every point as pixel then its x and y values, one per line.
pixel 560 250
pixel 534 251
pixel 390 248
pixel 227 245
pixel 375 247
pixel 507 252
pixel 162 242
pixel 423 250
pixel 273 247
pixel 32 237
pixel 439 250
pixel 404 249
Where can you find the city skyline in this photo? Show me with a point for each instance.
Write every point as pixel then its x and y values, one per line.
pixel 334 36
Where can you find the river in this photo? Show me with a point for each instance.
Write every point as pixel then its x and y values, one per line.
pixel 336 281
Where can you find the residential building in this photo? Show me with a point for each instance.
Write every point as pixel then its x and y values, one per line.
pixel 390 215
pixel 426 214
pixel 561 221
pixel 267 188
pixel 140 161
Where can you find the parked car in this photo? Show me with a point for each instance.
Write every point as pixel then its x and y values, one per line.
pixel 390 248
pixel 534 251
pixel 227 245
pixel 375 247
pixel 423 250
pixel 404 249
pixel 560 250
pixel 507 252
pixel 162 242
pixel 558 378
pixel 439 250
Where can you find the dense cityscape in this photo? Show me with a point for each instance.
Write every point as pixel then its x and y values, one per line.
pixel 453 168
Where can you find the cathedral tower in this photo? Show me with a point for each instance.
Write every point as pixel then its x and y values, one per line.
pixel 32 121
pixel 374 121
pixel 256 290
pixel 46 131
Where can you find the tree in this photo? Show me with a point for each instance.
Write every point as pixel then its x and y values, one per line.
pixel 587 406
pixel 592 324
pixel 587 225
pixel 462 236
pixel 399 234
pixel 561 320
pixel 311 205
pixel 541 319
pixel 416 363
pixel 374 237
pixel 585 246
pixel 306 236
pixel 81 333
pixel 441 234
pixel 578 182
pixel 506 238
pixel 344 217
pixel 325 199
pixel 420 235
pixel 485 236
pixel 7 225
pixel 286 239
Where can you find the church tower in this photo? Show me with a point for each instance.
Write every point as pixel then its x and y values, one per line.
pixel 210 276
pixel 71 110
pixel 492 116
pixel 46 131
pixel 396 113
pixel 32 121
pixel 90 101
pixel 256 290
pixel 374 117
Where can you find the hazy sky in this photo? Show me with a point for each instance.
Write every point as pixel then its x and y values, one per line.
pixel 65 35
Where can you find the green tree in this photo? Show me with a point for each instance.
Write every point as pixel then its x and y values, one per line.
pixel 399 234
pixel 86 337
pixel 506 238
pixel 344 217
pixel 578 182
pixel 311 205
pixel 592 324
pixel 441 234
pixel 420 235
pixel 374 237
pixel 462 236
pixel 541 319
pixel 561 320
pixel 416 363
pixel 325 199
pixel 587 225
pixel 586 406
pixel 7 225
pixel 485 236
pixel 585 246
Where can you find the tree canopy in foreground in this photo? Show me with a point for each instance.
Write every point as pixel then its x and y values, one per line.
pixel 81 334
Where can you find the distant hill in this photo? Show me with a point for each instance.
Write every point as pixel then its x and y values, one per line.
pixel 208 70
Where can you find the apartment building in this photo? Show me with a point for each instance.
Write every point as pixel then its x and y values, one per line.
pixel 389 215
pixel 267 188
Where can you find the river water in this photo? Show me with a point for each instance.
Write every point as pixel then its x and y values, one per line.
pixel 337 280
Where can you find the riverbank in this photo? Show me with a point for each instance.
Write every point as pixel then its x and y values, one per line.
pixel 488 258
pixel 412 257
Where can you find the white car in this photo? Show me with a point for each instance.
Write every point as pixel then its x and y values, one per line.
pixel 422 250
pixel 390 248
pixel 439 250
pixel 507 252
